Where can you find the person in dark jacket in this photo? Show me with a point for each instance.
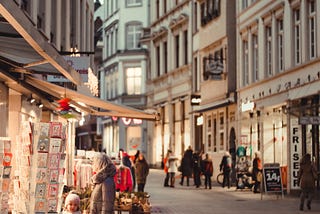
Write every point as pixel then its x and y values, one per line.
pixel 257 172
pixel 103 193
pixel 207 169
pixel 307 175
pixel 186 166
pixel 196 163
pixel 142 171
pixel 225 167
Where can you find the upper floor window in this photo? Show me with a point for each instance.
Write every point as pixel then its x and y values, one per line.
pixel 255 57
pixel 244 4
pixel 297 36
pixel 210 9
pixel 177 49
pixel 245 65
pixel 134 32
pixel 132 3
pixel 312 29
pixel 133 80
pixel 280 48
pixel 165 57
pixel 268 51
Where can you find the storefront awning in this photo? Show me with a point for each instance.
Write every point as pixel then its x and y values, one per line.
pixel 25 49
pixel 91 105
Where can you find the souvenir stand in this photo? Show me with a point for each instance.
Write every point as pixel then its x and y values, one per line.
pixel 5 171
pixel 126 199
pixel 40 158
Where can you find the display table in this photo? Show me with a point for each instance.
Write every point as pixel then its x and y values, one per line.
pixel 132 202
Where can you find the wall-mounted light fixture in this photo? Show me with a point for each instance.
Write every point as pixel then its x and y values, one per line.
pixel 40 105
pixel 31 99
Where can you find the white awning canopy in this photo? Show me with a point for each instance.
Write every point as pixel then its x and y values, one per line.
pixel 91 105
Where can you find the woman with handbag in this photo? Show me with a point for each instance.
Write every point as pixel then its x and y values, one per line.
pixel 257 172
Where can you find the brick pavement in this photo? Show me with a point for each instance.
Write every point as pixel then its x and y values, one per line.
pixel 218 200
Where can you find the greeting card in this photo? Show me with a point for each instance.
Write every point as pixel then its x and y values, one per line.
pixel 52 205
pixel 40 190
pixel 44 129
pixel 7 146
pixel 5 185
pixel 42 175
pixel 54 161
pixel 43 144
pixel 55 129
pixel 6 172
pixel 55 144
pixel 40 205
pixel 42 160
pixel 53 190
pixel 54 176
pixel 7 159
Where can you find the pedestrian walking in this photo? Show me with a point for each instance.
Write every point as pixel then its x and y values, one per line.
pixel 142 171
pixel 225 167
pixel 196 159
pixel 172 169
pixel 307 175
pixel 103 193
pixel 207 171
pixel 257 172
pixel 186 166
pixel 165 168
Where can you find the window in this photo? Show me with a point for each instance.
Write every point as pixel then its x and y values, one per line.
pixel 185 33
pixel 312 29
pixel 165 56
pixel 196 75
pixel 297 36
pixel 268 51
pixel 133 35
pixel 158 9
pixel 158 60
pixel 195 15
pixel 280 45
pixel 164 6
pixel 245 61
pixel 177 50
pixel 255 58
pixel 244 4
pixel 133 3
pixel 133 80
pixel 209 125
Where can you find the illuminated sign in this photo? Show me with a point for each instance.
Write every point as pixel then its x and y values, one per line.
pixel 195 99
pixel 248 106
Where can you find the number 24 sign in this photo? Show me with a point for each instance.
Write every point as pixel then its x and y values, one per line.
pixel 272 179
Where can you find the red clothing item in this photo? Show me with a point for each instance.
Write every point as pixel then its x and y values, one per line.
pixel 123 179
pixel 165 168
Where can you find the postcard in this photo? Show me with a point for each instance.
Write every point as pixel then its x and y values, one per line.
pixel 42 175
pixel 6 172
pixel 52 205
pixel 40 205
pixel 43 144
pixel 7 159
pixel 55 129
pixel 54 161
pixel 40 190
pixel 55 144
pixel 42 160
pixel 54 176
pixel 53 190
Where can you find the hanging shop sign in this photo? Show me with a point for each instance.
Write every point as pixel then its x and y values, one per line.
pixel 195 99
pixel 129 121
pixel 312 120
pixel 295 151
pixel 79 63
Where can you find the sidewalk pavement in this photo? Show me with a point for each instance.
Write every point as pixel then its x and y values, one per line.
pixel 218 200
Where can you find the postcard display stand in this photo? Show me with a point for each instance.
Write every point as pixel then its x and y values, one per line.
pixel 5 170
pixel 42 167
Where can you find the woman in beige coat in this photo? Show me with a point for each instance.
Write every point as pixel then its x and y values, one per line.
pixel 103 193
pixel 307 176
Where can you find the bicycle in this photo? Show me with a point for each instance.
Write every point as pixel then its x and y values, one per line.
pixel 220 178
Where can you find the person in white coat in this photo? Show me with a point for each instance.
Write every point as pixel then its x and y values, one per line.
pixel 172 168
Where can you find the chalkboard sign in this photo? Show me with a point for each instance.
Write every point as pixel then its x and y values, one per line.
pixel 272 179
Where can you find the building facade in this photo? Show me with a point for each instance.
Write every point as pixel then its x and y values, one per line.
pixel 123 73
pixel 214 79
pixel 278 81
pixel 169 78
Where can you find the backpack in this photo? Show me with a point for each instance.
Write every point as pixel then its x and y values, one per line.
pixel 229 162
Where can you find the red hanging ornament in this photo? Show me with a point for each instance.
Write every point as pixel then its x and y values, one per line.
pixel 64 105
